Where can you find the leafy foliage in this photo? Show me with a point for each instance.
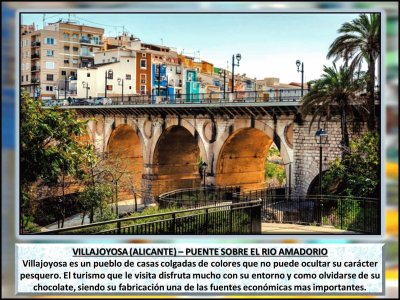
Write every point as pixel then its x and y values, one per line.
pixel 336 87
pixel 359 41
pixel 357 174
pixel 49 149
pixel 94 197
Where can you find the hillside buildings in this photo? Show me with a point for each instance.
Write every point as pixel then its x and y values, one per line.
pixel 65 60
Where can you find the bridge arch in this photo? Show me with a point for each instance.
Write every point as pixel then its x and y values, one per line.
pixel 176 159
pixel 125 151
pixel 241 160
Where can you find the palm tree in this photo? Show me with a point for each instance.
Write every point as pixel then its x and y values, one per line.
pixel 335 89
pixel 360 41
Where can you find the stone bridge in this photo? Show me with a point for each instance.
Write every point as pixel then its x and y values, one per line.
pixel 161 144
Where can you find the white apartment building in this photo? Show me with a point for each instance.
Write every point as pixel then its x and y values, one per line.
pixel 92 81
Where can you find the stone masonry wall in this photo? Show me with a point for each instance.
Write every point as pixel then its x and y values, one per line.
pixel 306 150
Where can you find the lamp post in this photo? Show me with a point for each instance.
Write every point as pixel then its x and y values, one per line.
pixel 255 89
pixel 36 91
pixel 86 86
pixel 220 74
pixel 58 92
pixel 204 168
pixel 290 177
pixel 298 63
pixel 108 75
pixel 321 137
pixel 238 58
pixel 121 82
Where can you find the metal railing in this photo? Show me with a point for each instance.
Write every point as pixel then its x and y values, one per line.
pixel 348 213
pixel 203 98
pixel 233 218
pixel 198 197
pixel 279 206
pixel 35 55
pixel 35 44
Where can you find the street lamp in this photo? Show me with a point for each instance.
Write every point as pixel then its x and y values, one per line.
pixel 298 63
pixel 290 177
pixel 86 86
pixel 255 89
pixel 121 82
pixel 37 90
pixel 159 76
pixel 56 88
pixel 321 137
pixel 220 72
pixel 108 75
pixel 238 58
pixel 204 168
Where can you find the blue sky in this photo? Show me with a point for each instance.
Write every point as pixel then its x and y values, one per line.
pixel 269 44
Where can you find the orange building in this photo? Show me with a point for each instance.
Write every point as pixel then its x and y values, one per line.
pixel 143 72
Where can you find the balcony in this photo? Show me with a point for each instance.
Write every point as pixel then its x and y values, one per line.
pixel 86 53
pixel 35 44
pixel 35 80
pixel 90 41
pixel 35 68
pixel 35 56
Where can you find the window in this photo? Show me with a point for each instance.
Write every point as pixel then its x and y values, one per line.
pixel 96 40
pixel 66 35
pixel 75 49
pixel 128 77
pixel 50 53
pixel 143 64
pixel 88 75
pixel 26 43
pixel 49 88
pixel 130 87
pixel 260 86
pixel 142 78
pixel 110 75
pixel 64 73
pixel 50 41
pixel 142 89
pixel 66 48
pixel 66 61
pixel 22 78
pixel 49 65
pixel 74 61
pixel 109 87
pixel 26 78
pixel 74 36
pixel 127 60
pixel 49 77
pixel 178 70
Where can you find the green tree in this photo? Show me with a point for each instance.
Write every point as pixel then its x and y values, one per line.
pixel 335 88
pixel 356 174
pixel 95 197
pixel 50 153
pixel 359 41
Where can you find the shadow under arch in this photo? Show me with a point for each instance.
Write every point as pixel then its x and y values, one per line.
pixel 241 160
pixel 125 151
pixel 175 160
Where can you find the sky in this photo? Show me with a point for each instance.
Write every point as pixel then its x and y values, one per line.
pixel 269 44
